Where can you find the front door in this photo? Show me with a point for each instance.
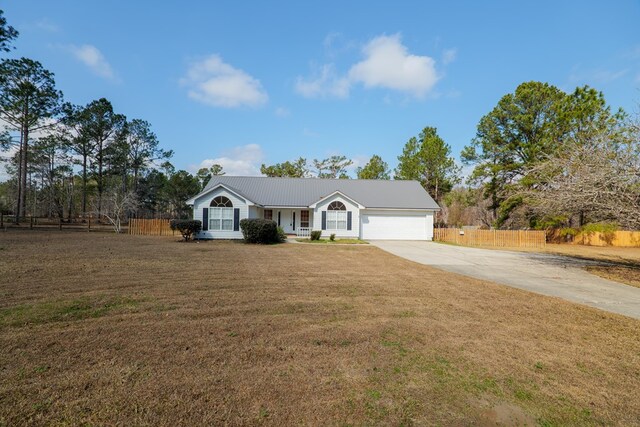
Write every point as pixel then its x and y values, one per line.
pixel 286 221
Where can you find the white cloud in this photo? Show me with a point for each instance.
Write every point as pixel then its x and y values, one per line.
pixel 449 55
pixel 310 133
pixel 244 160
pixel 388 64
pixel 597 76
pixel 91 56
pixel 214 82
pixel 359 161
pixel 282 112
pixel 607 76
pixel 326 83
pixel 46 24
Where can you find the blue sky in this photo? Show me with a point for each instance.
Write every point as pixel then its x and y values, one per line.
pixel 242 83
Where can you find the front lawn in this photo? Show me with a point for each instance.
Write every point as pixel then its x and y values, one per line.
pixel 101 329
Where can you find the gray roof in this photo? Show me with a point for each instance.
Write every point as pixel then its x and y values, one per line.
pixel 300 192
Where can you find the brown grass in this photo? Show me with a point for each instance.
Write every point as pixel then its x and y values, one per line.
pixel 132 330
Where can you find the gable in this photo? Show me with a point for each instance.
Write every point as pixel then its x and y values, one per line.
pixel 204 199
pixel 211 192
pixel 336 195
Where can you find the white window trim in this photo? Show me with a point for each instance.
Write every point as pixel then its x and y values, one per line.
pixel 218 213
pixel 340 218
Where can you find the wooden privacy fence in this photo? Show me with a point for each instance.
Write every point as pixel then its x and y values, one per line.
pixel 615 238
pixel 150 227
pixel 497 238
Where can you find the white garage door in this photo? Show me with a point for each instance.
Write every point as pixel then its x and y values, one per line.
pixel 394 226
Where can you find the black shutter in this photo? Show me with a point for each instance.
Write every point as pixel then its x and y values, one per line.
pixel 236 219
pixel 349 220
pixel 205 219
pixel 324 220
pixel 294 221
pixel 278 218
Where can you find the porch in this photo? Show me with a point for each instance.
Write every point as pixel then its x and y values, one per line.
pixel 297 221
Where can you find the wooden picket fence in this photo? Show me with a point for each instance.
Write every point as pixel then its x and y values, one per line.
pixel 621 238
pixel 495 238
pixel 150 227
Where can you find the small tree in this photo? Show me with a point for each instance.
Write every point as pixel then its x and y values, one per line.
pixel 428 159
pixel 116 206
pixel 376 168
pixel 332 168
pixel 291 169
pixel 186 227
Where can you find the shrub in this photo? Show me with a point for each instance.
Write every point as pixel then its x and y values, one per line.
pixel 600 227
pixel 256 230
pixel 281 235
pixel 332 237
pixel 607 231
pixel 186 227
pixel 315 235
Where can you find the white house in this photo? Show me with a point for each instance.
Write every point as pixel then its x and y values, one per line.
pixel 365 209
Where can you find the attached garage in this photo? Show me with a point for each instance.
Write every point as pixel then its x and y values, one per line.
pixel 396 225
pixel 369 209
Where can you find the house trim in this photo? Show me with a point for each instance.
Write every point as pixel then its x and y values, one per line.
pixel 350 199
pixel 192 200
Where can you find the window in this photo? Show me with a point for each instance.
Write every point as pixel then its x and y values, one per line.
pixel 336 216
pixel 221 214
pixel 268 214
pixel 337 206
pixel 304 219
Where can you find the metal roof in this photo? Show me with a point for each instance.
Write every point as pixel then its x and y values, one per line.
pixel 298 192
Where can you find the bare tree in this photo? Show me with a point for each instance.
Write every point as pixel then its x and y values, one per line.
pixel 596 178
pixel 116 205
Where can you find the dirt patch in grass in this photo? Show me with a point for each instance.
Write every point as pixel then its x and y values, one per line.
pixel 166 333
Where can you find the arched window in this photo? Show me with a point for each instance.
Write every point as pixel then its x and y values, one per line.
pixel 221 202
pixel 221 214
pixel 336 216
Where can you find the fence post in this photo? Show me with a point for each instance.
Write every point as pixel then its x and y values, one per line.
pixel 31 223
pixel 89 224
pixel 1 220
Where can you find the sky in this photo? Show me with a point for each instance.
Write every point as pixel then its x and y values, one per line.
pixel 246 83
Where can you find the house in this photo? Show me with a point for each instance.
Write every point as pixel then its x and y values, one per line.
pixel 365 209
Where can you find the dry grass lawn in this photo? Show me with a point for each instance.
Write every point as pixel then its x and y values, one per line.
pixel 130 330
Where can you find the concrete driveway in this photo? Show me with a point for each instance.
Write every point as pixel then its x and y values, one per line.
pixel 545 274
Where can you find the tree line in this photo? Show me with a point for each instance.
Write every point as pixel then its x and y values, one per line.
pixel 68 161
pixel 540 158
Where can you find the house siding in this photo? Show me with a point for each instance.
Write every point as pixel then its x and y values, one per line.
pixel 204 201
pixel 355 217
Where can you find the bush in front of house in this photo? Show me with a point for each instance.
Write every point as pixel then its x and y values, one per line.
pixel 315 235
pixel 186 227
pixel 281 234
pixel 256 230
pixel 332 237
